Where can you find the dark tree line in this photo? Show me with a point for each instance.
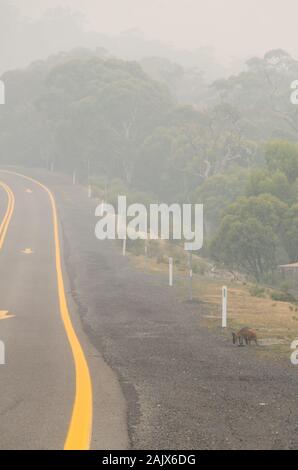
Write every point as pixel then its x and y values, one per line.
pixel 234 148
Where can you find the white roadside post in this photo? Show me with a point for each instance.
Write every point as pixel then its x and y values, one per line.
pixel 74 178
pixel 124 247
pixel 224 306
pixel 190 275
pixel 2 353
pixel 102 208
pixel 2 92
pixel 88 177
pixel 171 263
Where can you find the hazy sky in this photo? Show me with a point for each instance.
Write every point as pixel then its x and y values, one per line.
pixel 235 28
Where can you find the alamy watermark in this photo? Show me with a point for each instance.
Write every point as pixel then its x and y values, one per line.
pixel 161 221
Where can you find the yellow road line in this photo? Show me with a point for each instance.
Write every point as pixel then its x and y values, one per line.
pixel 8 208
pixel 4 315
pixel 80 427
pixel 9 211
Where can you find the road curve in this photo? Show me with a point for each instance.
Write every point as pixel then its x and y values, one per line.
pixel 37 382
pixel 185 387
pixel 80 429
pixel 46 400
pixel 40 373
pixel 31 259
pixel 8 213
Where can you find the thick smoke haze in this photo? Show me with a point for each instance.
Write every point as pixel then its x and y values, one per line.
pixel 148 227
pixel 217 37
pixel 234 28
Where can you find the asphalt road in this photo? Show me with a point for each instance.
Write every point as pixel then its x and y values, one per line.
pixel 45 399
pixel 160 380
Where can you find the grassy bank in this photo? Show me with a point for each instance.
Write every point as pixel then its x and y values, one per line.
pixel 275 321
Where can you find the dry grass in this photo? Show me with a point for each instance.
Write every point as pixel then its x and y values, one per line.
pixel 271 318
pixel 276 322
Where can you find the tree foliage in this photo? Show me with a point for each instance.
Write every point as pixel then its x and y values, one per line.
pixel 232 146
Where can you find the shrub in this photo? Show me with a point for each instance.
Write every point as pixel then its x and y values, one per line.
pixel 136 247
pixel 198 267
pixel 284 286
pixel 282 296
pixel 257 291
pixel 161 259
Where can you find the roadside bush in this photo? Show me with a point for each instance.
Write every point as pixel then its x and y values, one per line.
pixel 198 267
pixel 282 297
pixel 136 247
pixel 257 291
pixel 154 249
pixel 161 259
pixel 284 286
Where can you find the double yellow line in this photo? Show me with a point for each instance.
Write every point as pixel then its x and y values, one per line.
pixel 80 428
pixel 8 214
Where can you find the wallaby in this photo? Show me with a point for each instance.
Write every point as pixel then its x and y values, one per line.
pixel 246 334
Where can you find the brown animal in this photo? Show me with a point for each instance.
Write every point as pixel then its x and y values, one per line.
pixel 246 334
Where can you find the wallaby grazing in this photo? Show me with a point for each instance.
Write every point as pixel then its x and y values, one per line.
pixel 246 334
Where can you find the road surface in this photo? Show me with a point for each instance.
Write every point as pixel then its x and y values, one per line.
pixel 46 399
pixel 160 380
